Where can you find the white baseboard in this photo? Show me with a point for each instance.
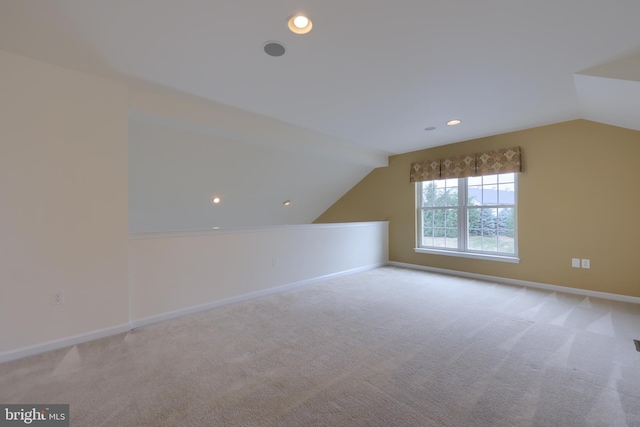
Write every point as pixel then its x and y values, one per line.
pixel 246 297
pixel 101 333
pixel 90 336
pixel 555 288
pixel 62 343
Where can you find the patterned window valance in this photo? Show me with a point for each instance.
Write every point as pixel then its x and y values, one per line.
pixel 493 162
pixel 458 167
pixel 498 161
pixel 425 171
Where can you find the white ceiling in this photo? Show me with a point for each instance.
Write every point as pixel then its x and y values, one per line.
pixel 372 73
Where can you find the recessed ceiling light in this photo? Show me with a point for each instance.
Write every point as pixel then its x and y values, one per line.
pixel 454 122
pixel 286 202
pixel 215 200
pixel 299 24
pixel 300 21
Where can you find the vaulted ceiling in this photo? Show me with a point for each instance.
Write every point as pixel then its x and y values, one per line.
pixel 365 82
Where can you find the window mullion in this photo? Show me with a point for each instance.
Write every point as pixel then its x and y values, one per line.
pixel 420 198
pixel 462 214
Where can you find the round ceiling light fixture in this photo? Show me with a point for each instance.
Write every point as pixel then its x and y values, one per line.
pixel 215 200
pixel 286 202
pixel 454 122
pixel 299 24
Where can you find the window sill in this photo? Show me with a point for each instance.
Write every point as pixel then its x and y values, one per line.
pixel 472 255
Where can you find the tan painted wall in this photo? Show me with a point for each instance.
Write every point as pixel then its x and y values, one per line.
pixel 578 198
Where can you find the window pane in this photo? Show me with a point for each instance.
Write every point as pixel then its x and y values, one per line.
pixel 451 240
pixel 427 229
pixel 475 232
pixel 427 199
pixel 474 180
pixel 506 242
pixel 474 241
pixel 489 195
pixel 443 192
pixel 451 218
pixel 488 232
pixel 506 177
pixel 428 193
pixel 451 230
pixel 440 197
pixel 474 193
pixel 490 244
pixel 506 219
pixel 440 228
pixel 474 220
pixel 451 197
pixel 506 194
pixel 489 218
pixel 427 219
pixel 438 217
pixel 490 179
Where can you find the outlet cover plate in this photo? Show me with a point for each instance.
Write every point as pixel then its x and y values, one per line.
pixel 58 298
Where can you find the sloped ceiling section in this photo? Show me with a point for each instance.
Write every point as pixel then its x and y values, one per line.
pixel 368 81
pixel 375 73
pixel 610 93
pixel 183 152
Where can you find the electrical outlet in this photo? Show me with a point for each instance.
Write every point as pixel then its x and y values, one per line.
pixel 575 262
pixel 586 263
pixel 58 298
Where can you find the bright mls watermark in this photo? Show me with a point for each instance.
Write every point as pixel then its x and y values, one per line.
pixel 34 415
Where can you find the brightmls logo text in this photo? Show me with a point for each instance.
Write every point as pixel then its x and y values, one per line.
pixel 34 415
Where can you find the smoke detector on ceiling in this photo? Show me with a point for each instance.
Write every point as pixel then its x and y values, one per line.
pixel 273 48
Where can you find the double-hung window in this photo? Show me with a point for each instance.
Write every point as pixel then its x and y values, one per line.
pixel 474 217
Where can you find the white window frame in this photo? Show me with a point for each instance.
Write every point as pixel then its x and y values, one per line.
pixel 463 209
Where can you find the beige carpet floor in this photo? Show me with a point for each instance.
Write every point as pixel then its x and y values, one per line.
pixel 386 347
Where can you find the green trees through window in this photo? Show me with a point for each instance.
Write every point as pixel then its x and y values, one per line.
pixel 469 214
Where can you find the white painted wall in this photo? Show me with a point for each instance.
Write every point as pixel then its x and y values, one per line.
pixel 173 173
pixel 64 213
pixel 63 203
pixel 173 274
